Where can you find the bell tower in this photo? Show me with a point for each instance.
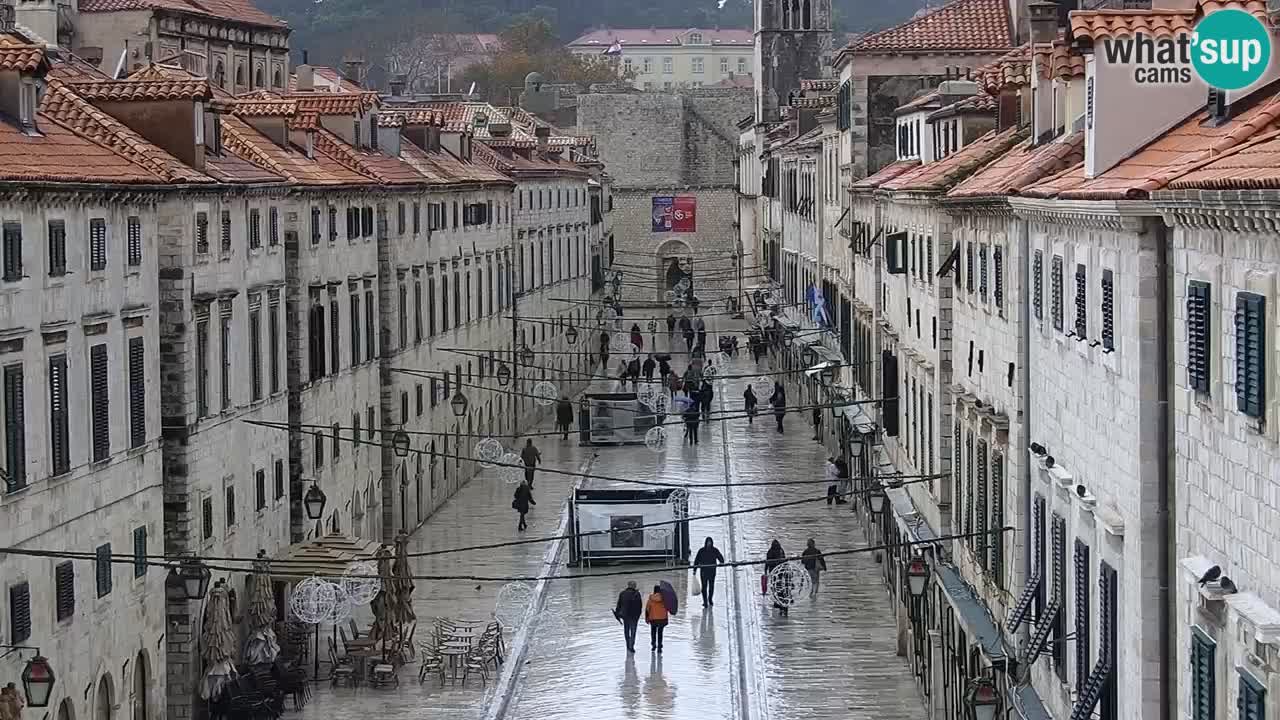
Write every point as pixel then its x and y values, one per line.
pixel 792 42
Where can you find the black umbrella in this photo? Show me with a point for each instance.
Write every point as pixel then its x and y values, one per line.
pixel 669 598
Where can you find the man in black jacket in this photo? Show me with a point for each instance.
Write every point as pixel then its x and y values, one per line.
pixel 531 458
pixel 704 563
pixel 630 606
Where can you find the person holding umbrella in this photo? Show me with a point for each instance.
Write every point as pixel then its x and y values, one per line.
pixel 657 613
pixel 630 605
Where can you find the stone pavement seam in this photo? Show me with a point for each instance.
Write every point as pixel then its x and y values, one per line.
pixel 505 686
pixel 753 704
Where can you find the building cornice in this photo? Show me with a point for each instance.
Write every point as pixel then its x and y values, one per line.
pixel 1127 215
pixel 1224 210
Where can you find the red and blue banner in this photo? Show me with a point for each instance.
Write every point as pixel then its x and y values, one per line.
pixel 675 214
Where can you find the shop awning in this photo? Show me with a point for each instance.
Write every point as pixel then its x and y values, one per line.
pixel 329 556
pixel 818 368
pixel 859 419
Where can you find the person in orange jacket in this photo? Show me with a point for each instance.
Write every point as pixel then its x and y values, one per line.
pixel 655 613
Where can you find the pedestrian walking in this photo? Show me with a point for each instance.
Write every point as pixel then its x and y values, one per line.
pixel 604 352
pixel 664 368
pixel 686 330
pixel 775 557
pixel 779 402
pixel 521 501
pixel 532 458
pixel 704 563
pixel 846 482
pixel 633 371
pixel 630 606
pixel 655 613
pixel 691 416
pixel 832 474
pixel 817 423
pixel 749 401
pixel 700 329
pixel 671 324
pixel 637 338
pixel 705 396
pixel 814 563
pixel 647 368
pixel 564 416
pixel 675 383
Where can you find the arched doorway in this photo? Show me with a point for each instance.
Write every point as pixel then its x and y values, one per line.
pixel 672 254
pixel 65 710
pixel 105 704
pixel 141 686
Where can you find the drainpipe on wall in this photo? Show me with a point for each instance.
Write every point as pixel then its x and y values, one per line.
pixel 1167 492
pixel 1024 388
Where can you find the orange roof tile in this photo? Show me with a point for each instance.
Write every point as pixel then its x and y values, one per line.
pixel 75 113
pixel 229 167
pixel 819 85
pixel 1255 7
pixel 1012 68
pixel 886 173
pixel 444 167
pixel 1058 61
pixel 1093 25
pixel 291 163
pixel 60 154
pixel 127 90
pixel 240 11
pixel 264 108
pixel 18 55
pixel 1175 153
pixel 334 103
pixel 304 121
pixel 942 174
pixel 962 26
pixel 980 104
pixel 383 168
pixel 1021 166
pixel 68 67
pixel 1254 165
pixel 926 101
pixel 409 117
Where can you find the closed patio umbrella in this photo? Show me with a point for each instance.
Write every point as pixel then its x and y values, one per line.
pixel 384 601
pixel 217 644
pixel 402 577
pixel 261 645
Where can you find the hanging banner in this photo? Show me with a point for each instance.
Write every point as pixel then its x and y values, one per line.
pixel 675 214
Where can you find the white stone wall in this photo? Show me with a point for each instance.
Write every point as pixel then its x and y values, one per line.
pixel 95 503
pixel 1097 414
pixel 1227 467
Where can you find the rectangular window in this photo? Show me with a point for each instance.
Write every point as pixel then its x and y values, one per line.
pixel 99 400
pixel 418 399
pixel 355 329
pixel 1082 306
pixel 353 223
pixel 279 479
pixel 202 367
pixel 59 425
pixel 697 66
pixel 225 348
pixel 1204 676
pixel 366 222
pixel 1108 311
pixel 231 506
pixel 15 428
pixel 1251 354
pixel 969 270
pixel 259 489
pixel 57 248
pixel 133 250
pixel 137 393
pixel 1198 327
pixel 97 244
pixel 997 261
pixel 64 584
pixel 19 613
pixel 1109 639
pixel 206 518
pixel 417 218
pixel 370 329
pixel 337 441
pixel 667 65
pixel 315 226
pixel 1059 644
pixel 335 335
pixel 1055 290
pixel 225 229
pixel 255 229
pixel 202 233
pixel 255 352
pixel 273 348
pixel 417 310
pixel 996 541
pixel 1037 285
pixel 273 226
pixel 333 223
pixel 401 217
pixel 404 407
pixel 102 570
pixel 370 419
pixel 1082 614
pixel 140 551
pixel 404 316
pixel 12 251
pixel 724 66
pixel 982 272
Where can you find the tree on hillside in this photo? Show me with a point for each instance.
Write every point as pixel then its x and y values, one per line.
pixel 531 46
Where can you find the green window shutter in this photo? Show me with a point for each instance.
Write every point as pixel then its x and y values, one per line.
pixel 1251 703
pixel 1251 344
pixel 1203 676
pixel 1198 327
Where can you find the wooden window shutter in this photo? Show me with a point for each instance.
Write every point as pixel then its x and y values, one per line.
pixel 1199 324
pixel 1059 651
pixel 996 540
pixel 255 228
pixel 957 492
pixel 64 580
pixel 59 430
pixel 1204 680
pixel 273 226
pixel 1082 305
pixel 997 260
pixel 99 399
pixel 12 252
pixel 1038 559
pixel 982 272
pixel 980 521
pixel 137 393
pixel 335 335
pixel 1108 311
pixel 279 479
pixel 1037 284
pixel 133 250
pixel 102 570
pixel 1251 348
pixel 1055 288
pixel 97 244
pixel 19 613
pixel 1251 703
pixel 202 232
pixel 140 551
pixel 1082 614
pixel 57 248
pixel 225 229
pixel 255 352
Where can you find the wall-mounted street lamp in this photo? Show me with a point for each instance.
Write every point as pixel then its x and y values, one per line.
pixel 37 676
pixel 917 576
pixel 400 444
pixel 313 502
pixel 571 335
pixel 982 698
pixel 188 580
pixel 876 500
pixel 526 356
pixel 504 375
pixel 459 404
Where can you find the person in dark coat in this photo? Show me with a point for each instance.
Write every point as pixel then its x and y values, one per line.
pixel 704 563
pixel 637 338
pixel 779 402
pixel 521 502
pixel 705 396
pixel 630 607
pixel 775 557
pixel 664 368
pixel 686 330
pixel 564 416
pixel 604 350
pixel 691 416
pixel 531 458
pixel 671 324
pixel 815 564
pixel 700 329
pixel 817 423
pixel 749 401
pixel 647 368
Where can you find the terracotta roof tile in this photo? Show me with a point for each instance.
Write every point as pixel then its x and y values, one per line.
pixel 1096 24
pixel 69 67
pixel 1175 153
pixel 445 168
pixel 383 168
pixel 819 85
pixel 886 173
pixel 1254 165
pixel 127 90
pixel 1058 61
pixel 942 174
pixel 334 103
pixel 815 102
pixel 75 113
pixel 927 101
pixel 290 162
pixel 304 121
pixel 1012 68
pixel 326 79
pixel 229 167
pixel 980 104
pixel 264 108
pixel 60 154
pixel 234 10
pixel 1255 7
pixel 17 55
pixel 962 25
pixel 410 117
pixel 1021 166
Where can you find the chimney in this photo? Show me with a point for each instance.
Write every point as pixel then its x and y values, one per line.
pixel 543 135
pixel 353 67
pixel 1043 15
pixel 397 84
pixel 306 78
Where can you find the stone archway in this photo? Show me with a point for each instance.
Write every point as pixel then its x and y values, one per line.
pixel 105 703
pixel 669 255
pixel 141 685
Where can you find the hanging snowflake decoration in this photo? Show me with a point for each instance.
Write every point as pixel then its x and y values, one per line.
pixel 709 372
pixel 610 315
pixel 341 604
pixel 515 599
pixel 656 439
pixel 659 532
pixel 545 393
pixel 660 404
pixel 553 634
pixel 510 468
pixel 488 451
pixel 762 383
pixel 647 393
pixel 361 582
pixel 313 600
pixel 678 501
pixel 788 583
pixel 671 295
